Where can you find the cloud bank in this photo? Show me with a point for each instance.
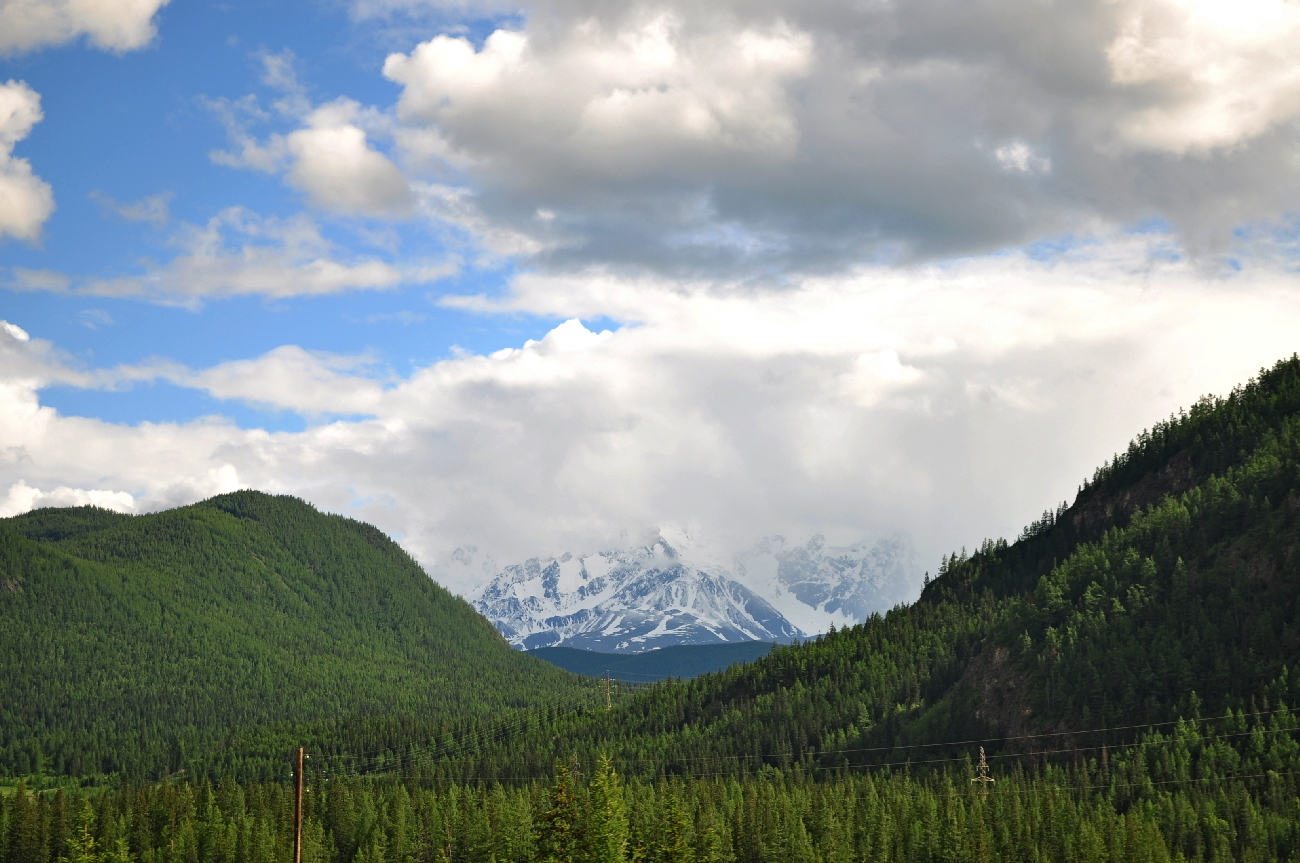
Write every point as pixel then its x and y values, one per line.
pixel 694 139
pixel 951 402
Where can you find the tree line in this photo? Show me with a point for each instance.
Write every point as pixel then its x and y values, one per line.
pixel 1197 791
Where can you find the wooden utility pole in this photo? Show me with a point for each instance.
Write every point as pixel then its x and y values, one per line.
pixel 297 809
pixel 606 690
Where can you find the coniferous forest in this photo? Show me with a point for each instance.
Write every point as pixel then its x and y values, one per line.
pixel 1128 665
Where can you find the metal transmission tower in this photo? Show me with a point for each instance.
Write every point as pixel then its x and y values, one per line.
pixel 983 778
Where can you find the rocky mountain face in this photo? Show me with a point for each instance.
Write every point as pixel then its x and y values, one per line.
pixel 656 595
pixel 625 602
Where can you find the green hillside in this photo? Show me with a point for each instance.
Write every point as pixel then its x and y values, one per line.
pixel 134 645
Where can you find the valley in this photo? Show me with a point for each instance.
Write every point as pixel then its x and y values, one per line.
pixel 1127 666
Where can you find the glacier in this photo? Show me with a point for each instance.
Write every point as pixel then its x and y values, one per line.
pixel 626 601
pixel 668 592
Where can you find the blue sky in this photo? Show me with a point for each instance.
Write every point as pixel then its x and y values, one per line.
pixel 121 128
pixel 522 279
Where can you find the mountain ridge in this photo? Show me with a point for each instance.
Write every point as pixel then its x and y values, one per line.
pixel 653 595
pixel 241 610
pixel 625 601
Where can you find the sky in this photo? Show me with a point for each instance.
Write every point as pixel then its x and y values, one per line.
pixel 513 280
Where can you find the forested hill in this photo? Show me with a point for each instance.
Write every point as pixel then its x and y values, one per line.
pixel 131 643
pixel 1169 588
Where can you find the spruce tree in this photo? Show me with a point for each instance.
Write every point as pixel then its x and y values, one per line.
pixel 608 829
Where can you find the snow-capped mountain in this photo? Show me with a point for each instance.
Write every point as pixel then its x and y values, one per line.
pixel 816 585
pixel 626 601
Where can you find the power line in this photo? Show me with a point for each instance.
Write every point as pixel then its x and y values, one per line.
pixel 949 760
pixel 976 741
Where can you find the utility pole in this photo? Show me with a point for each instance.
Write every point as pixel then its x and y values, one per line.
pixel 297 809
pixel 983 778
pixel 606 690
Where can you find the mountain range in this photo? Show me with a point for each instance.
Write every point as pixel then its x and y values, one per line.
pixel 626 602
pixel 665 593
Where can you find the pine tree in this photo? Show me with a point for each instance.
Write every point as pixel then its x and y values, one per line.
pixel 82 845
pixel 559 835
pixel 608 829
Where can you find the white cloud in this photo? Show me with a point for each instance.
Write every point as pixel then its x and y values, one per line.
pixel 26 200
pixel 14 331
pixel 25 279
pixel 339 171
pixel 693 139
pixel 22 497
pixel 1228 71
pixel 311 383
pixel 330 157
pixel 951 402
pixel 114 25
pixel 618 102
pixel 95 318
pixel 1019 157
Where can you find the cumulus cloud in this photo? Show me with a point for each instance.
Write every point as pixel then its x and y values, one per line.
pixel 621 102
pixel 1228 72
pixel 333 163
pixel 951 402
pixel 22 498
pixel 26 200
pixel 695 138
pixel 330 157
pixel 115 25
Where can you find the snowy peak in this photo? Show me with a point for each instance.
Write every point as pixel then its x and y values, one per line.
pixel 626 601
pixel 671 591
pixel 816 585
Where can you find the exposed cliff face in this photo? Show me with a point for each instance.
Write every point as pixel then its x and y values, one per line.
pixel 999 692
pixel 1095 510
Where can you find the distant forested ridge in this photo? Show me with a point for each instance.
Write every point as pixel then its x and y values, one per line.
pixel 136 645
pixel 679 660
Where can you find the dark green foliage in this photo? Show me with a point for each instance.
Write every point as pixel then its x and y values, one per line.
pixel 683 660
pixel 56 525
pixel 131 645
pixel 1229 792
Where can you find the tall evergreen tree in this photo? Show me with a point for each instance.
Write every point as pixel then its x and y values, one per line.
pixel 607 831
pixel 560 837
